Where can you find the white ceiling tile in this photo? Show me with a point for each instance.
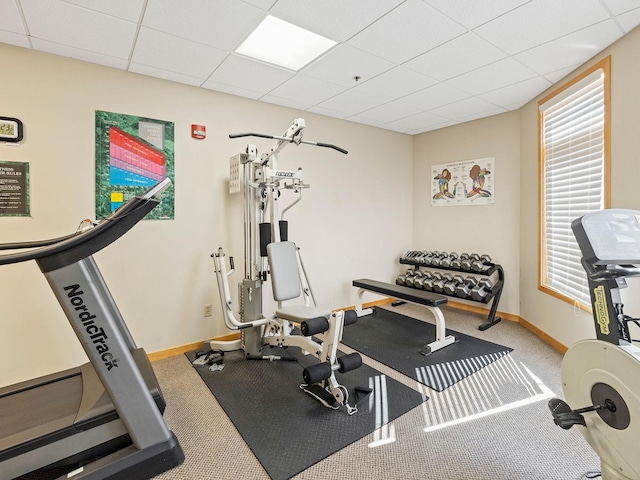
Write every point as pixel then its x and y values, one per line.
pixel 499 74
pixel 392 127
pixel 164 74
pixel 17 39
pixel 468 109
pixel 433 97
pixel 286 102
pixel 629 20
pixel 558 75
pixel 395 83
pixel 217 23
pixel 10 20
pixel 389 112
pixel 418 63
pixel 460 55
pixel 231 89
pixel 420 121
pixel 262 4
pixel 352 102
pixel 406 32
pixel 249 74
pixel 66 24
pixel 167 52
pixel 571 49
pixel 78 54
pixel 472 13
pixel 621 6
pixel 334 19
pixel 342 63
pixel 515 31
pixel 516 95
pixel 328 112
pixel 126 9
pixel 307 90
pixel 363 120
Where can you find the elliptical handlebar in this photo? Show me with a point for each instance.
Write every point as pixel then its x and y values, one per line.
pixel 610 271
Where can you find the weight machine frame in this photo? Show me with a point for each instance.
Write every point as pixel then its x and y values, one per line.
pixel 262 183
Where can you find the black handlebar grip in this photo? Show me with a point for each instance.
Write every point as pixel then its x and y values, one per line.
pixel 335 147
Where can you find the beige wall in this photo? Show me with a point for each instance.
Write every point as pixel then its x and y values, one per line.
pixel 362 211
pixel 354 221
pixel 491 229
pixel 557 318
pixel 508 230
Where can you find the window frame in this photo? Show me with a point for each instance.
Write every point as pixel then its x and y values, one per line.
pixel 605 66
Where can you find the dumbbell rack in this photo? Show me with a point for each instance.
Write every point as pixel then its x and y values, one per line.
pixel 493 296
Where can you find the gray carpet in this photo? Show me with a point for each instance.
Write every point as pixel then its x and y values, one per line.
pixel 508 433
pixel 493 425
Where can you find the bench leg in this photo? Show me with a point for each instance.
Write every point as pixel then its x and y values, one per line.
pixel 442 340
pixel 359 311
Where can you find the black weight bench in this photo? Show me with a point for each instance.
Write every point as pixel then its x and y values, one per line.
pixel 426 299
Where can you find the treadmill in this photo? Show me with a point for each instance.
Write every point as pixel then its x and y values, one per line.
pixel 107 414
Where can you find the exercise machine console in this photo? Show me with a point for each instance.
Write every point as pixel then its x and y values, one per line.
pixel 602 376
pixel 107 414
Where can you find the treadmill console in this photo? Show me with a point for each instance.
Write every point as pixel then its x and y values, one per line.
pixel 609 237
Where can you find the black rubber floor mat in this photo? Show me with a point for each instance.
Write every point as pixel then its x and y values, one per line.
pixel 396 340
pixel 287 429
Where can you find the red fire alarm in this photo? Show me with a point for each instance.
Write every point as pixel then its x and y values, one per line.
pixel 198 131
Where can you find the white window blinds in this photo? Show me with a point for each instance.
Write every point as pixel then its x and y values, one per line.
pixel 573 159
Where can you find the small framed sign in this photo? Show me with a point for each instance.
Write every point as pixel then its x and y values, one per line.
pixel 11 129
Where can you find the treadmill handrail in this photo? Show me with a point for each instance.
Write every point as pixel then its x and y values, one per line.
pixel 72 248
pixel 36 243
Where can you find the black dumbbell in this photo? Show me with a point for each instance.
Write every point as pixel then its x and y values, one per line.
pixel 428 284
pixel 450 287
pixel 446 262
pixel 463 290
pixel 419 281
pixel 438 285
pixel 480 291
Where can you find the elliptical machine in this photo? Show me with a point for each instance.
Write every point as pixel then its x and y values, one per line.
pixel 107 414
pixel 267 251
pixel 604 374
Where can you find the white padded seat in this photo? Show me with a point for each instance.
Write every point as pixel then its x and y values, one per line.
pixel 285 282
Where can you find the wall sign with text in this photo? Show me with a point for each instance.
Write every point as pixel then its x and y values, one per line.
pixel 14 189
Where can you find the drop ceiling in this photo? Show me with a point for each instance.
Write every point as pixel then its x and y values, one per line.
pixel 404 65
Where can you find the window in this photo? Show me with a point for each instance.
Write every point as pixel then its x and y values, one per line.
pixel 574 176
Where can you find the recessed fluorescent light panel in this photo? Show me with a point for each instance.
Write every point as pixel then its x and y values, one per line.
pixel 281 43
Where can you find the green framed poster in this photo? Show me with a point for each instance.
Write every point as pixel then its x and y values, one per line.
pixel 14 189
pixel 133 154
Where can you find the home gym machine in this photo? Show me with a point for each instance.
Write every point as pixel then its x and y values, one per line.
pixel 603 375
pixel 268 251
pixel 106 415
